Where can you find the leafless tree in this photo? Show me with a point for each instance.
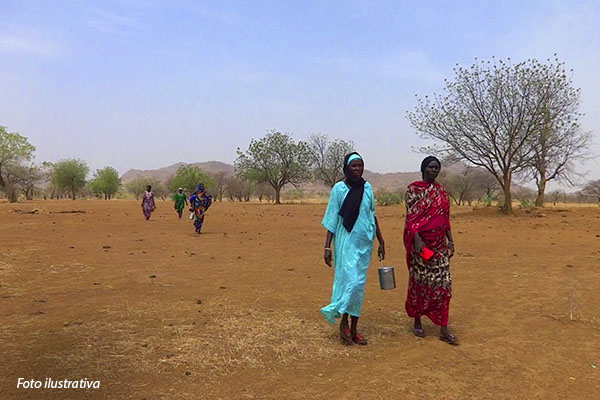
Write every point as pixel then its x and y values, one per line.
pixel 327 158
pixel 264 190
pixel 488 116
pixel 238 188
pixel 458 185
pixel 220 179
pixel 560 142
pixel 27 179
pixel 523 193
pixel 485 183
pixel 557 195
pixel 592 189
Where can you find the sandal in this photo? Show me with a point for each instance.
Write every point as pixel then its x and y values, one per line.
pixel 450 339
pixel 345 337
pixel 358 339
pixel 419 332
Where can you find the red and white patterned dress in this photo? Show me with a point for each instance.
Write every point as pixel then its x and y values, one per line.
pixel 430 282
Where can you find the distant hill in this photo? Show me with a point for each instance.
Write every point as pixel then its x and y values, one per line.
pixel 389 181
pixel 392 181
pixel 162 174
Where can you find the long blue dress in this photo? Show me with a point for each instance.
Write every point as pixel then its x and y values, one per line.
pixel 352 252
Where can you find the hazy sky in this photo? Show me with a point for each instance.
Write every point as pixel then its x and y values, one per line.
pixel 147 83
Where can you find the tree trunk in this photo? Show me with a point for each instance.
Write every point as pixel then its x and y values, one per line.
pixel 73 192
pixel 539 201
pixel 507 206
pixel 12 196
pixel 277 195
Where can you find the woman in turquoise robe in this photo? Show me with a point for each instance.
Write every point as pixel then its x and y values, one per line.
pixel 351 223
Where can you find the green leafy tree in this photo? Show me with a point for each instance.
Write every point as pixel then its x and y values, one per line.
pixel 189 176
pixel 489 117
pixel 15 151
pixel 70 175
pixel 327 158
pixel 51 189
pixel 106 182
pixel 275 159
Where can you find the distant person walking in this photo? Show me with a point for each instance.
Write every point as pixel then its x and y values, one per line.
pixel 180 201
pixel 429 247
pixel 351 223
pixel 148 204
pixel 199 203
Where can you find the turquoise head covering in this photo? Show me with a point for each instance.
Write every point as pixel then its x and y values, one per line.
pixel 352 158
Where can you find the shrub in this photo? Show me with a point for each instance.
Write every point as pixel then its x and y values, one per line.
pixel 487 200
pixel 387 199
pixel 296 194
pixel 527 204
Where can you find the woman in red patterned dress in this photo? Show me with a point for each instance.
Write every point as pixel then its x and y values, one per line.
pixel 428 226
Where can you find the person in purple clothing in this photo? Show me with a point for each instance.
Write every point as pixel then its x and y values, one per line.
pixel 148 204
pixel 199 203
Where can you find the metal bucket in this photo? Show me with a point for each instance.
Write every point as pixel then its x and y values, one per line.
pixel 387 280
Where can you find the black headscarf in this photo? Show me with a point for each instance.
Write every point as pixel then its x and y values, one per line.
pixel 426 162
pixel 351 205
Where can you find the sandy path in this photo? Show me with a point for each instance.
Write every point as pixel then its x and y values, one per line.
pixel 154 311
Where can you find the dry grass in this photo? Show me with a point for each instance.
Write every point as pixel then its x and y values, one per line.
pixel 235 339
pixel 229 341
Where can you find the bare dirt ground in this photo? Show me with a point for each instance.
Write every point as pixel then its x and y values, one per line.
pixel 154 311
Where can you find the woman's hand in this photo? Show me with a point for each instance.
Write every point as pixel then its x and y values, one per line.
pixel 328 257
pixel 450 249
pixel 381 251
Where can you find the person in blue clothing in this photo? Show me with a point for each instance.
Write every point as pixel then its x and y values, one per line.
pixel 199 203
pixel 351 223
